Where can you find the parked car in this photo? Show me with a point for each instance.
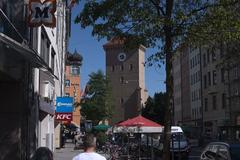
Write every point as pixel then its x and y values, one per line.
pixel 221 151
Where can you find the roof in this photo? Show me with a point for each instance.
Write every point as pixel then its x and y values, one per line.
pixel 139 121
pixel 74 59
pixel 118 42
pixel 115 42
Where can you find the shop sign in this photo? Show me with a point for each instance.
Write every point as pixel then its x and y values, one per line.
pixel 64 105
pixel 63 116
pixel 42 13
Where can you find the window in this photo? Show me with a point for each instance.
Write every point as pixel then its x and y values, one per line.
pixel 214 57
pixel 209 78
pixel 52 59
pixel 204 60
pixel 199 76
pixel 131 67
pixel 75 70
pixel 121 67
pixel 198 58
pixel 205 81
pixel 214 77
pixel 121 100
pixel 122 80
pixel 112 68
pixel 223 100
pixel 192 96
pixel 235 72
pixel 45 47
pixel 206 104
pixel 199 92
pixel 214 102
pixel 222 75
pixel 195 60
pixel 208 56
pixel 67 83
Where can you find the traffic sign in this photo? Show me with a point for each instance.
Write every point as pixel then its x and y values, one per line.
pixel 64 105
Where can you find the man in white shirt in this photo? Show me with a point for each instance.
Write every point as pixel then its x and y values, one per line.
pixel 89 153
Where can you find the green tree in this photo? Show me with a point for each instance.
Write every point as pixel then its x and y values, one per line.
pixel 155 107
pixel 97 104
pixel 163 24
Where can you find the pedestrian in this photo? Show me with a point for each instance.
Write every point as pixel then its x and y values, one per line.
pixel 43 153
pixel 89 143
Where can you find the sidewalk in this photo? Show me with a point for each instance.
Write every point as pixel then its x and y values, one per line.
pixel 66 153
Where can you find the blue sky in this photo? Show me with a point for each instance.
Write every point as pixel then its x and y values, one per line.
pixel 94 57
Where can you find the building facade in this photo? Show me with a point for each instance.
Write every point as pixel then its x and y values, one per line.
pixel 195 86
pixel 214 92
pixel 126 72
pixel 178 119
pixel 181 89
pixel 213 86
pixel 30 80
pixel 72 83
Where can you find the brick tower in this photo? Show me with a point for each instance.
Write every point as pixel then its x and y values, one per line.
pixel 126 72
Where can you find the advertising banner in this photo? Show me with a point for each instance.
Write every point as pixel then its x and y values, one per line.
pixel 64 105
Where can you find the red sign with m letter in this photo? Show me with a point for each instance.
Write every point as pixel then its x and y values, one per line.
pixel 42 13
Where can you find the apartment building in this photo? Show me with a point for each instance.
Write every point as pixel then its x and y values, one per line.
pixel 31 76
pixel 177 109
pixel 214 91
pixel 195 85
pixel 181 87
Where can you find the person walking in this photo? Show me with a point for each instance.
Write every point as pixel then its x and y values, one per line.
pixel 89 143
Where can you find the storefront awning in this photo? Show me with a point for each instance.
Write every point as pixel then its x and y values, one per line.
pixel 26 53
pixel 46 107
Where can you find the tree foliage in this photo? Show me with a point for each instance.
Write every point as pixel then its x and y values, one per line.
pixel 165 24
pixel 155 107
pixel 144 22
pixel 97 104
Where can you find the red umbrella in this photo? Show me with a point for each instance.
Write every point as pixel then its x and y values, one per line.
pixel 139 121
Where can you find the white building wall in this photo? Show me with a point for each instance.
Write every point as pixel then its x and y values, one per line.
pixel 57 38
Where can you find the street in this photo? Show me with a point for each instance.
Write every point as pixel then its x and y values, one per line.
pixel 68 153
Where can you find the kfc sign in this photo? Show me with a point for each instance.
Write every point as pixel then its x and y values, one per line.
pixel 42 13
pixel 63 116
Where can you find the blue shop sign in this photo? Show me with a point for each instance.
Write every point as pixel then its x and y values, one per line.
pixel 64 104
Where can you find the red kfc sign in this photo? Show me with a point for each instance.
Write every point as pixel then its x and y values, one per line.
pixel 63 116
pixel 42 13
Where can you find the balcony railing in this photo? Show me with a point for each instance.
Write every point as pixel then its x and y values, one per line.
pixel 7 28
